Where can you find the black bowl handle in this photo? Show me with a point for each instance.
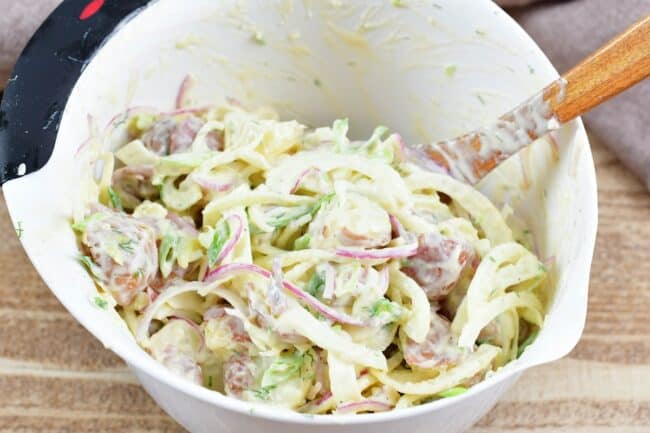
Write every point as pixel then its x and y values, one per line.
pixel 44 75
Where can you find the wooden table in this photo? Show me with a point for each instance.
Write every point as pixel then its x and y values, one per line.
pixel 55 377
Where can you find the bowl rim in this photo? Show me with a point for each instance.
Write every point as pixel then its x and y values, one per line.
pixel 138 359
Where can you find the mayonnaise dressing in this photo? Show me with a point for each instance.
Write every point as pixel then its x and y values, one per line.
pixel 472 156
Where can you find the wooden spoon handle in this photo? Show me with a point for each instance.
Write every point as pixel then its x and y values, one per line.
pixel 617 66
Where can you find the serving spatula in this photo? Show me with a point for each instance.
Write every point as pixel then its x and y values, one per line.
pixel 617 66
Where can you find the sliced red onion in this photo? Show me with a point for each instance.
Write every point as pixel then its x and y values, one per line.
pixel 126 115
pixel 225 271
pixel 363 406
pixel 193 110
pixel 210 185
pixel 194 326
pixel 313 405
pixel 182 223
pixel 398 228
pixel 92 132
pixel 324 309
pixel 152 293
pixel 400 231
pixel 83 145
pixel 275 298
pixel 232 240
pixel 151 296
pixel 302 177
pixel 185 86
pixel 549 261
pixel 322 399
pixel 330 281
pixel 400 252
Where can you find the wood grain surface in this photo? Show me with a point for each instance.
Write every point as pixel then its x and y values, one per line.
pixel 55 377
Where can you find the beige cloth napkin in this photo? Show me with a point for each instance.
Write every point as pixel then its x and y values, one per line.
pixel 566 30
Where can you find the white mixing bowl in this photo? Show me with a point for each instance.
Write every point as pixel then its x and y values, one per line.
pixel 430 70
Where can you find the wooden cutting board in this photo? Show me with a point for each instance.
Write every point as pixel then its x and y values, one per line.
pixel 55 377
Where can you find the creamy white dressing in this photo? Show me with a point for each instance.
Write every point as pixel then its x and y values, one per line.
pixel 494 143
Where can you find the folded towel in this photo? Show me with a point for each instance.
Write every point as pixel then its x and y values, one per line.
pixel 566 30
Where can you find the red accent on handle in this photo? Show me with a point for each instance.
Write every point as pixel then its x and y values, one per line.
pixel 91 9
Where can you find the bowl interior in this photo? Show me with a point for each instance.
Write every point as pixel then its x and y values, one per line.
pixel 428 70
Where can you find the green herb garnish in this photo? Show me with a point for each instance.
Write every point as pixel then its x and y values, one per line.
pixel 376 137
pixel 166 253
pixel 453 392
pixel 126 245
pixel 527 342
pixel 302 243
pixel 87 261
pixel 219 239
pixel 258 38
pixel 283 218
pixel 323 200
pixel 315 285
pixel 384 307
pixel 284 368
pixel 100 302
pixel 264 392
pixel 116 201
pixel 340 131
pixel 81 225
pixel 19 230
pixel 450 70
